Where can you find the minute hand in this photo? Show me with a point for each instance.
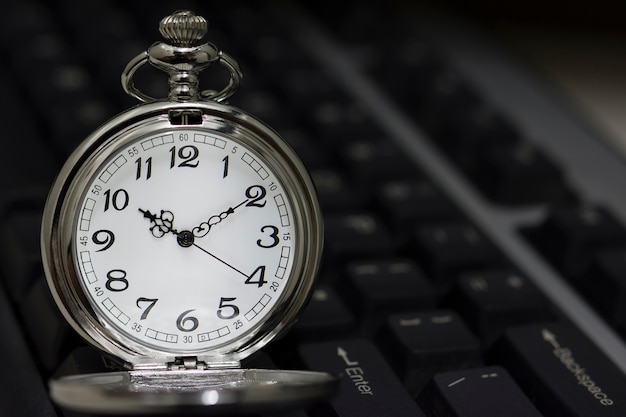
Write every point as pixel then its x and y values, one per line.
pixel 205 227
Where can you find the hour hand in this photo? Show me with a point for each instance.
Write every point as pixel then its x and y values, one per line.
pixel 161 224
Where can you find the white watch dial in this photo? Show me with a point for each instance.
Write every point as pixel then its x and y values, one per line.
pixel 184 240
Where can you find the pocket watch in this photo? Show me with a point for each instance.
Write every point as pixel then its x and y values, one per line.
pixel 181 237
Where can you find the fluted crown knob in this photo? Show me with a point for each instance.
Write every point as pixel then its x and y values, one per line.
pixel 183 28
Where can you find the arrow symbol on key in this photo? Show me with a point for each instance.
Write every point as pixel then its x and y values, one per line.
pixel 549 337
pixel 344 355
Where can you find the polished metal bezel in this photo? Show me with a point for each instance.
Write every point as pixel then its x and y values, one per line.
pixel 70 186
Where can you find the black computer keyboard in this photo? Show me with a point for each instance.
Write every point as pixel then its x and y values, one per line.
pixel 475 247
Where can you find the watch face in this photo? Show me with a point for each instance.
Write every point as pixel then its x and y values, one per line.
pixel 181 240
pixel 184 239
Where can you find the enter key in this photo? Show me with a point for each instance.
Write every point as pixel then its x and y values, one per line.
pixel 368 385
pixel 563 372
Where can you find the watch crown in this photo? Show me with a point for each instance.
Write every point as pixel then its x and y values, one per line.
pixel 183 28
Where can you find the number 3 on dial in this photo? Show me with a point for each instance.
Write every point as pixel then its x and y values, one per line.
pixel 272 235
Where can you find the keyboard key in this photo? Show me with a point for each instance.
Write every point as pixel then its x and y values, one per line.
pixel 604 285
pixel 520 174
pixel 478 392
pixel 474 131
pixel 405 203
pixel 411 201
pixel 492 300
pixel 368 386
pixel 564 372
pixel 437 92
pixel 359 234
pixel 263 105
pixel 476 128
pixel 311 87
pixel 376 161
pixel 447 249
pixel 421 344
pixel 313 156
pixel 336 192
pixel 336 121
pixel 378 287
pixel 325 316
pixel 269 46
pixel 571 234
pixel 416 63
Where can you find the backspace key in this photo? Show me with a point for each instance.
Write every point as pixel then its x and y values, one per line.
pixel 563 372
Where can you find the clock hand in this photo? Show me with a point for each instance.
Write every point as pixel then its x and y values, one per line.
pixel 255 197
pixel 220 260
pixel 205 227
pixel 186 239
pixel 162 224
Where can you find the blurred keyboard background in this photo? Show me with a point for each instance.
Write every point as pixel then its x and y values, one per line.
pixel 475 259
